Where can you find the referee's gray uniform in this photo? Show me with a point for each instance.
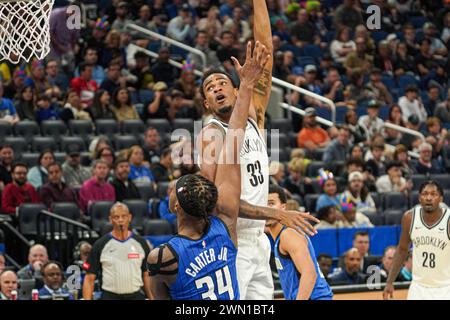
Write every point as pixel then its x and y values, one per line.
pixel 119 265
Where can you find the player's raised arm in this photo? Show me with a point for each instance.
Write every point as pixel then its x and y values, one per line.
pixel 262 32
pixel 228 174
pixel 400 255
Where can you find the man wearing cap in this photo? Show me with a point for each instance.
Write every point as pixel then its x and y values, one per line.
pixel 312 136
pixel 426 164
pixel 182 28
pixel 393 180
pixel 411 105
pixel 371 123
pixel 74 173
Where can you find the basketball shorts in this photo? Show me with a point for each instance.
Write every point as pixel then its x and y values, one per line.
pixel 419 292
pixel 253 266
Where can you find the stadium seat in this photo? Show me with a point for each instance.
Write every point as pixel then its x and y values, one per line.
pixel 68 141
pixel 157 227
pixel 53 128
pixel 162 125
pixel 417 180
pixel 29 158
pixel 68 210
pixel 28 213
pixel 443 179
pixel 19 144
pixel 99 213
pixel 447 196
pixel 282 124
pixel 395 200
pixel 305 60
pixel 187 124
pixel 81 128
pixel 133 127
pixel 5 129
pixel 312 50
pixel 310 202
pixel 162 189
pixel 106 228
pixel 388 81
pixel 146 191
pixel 393 216
pixel 340 114
pixel 124 142
pixel 107 127
pixel 27 129
pixel 39 144
pixel 139 210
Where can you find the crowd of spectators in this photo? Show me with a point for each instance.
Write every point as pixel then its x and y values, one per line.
pixel 397 74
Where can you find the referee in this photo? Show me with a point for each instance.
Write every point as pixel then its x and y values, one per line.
pixel 119 258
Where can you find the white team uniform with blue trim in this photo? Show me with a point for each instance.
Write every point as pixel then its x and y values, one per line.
pixel 253 267
pixel 431 257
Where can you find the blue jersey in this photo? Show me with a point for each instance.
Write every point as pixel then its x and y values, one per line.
pixel 290 277
pixel 207 266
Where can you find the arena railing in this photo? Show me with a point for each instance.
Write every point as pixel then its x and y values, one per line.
pixel 328 123
pixel 170 41
pixel 356 288
pixel 275 81
pixel 60 234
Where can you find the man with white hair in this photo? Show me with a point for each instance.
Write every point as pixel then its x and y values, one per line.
pixel 426 164
pixel 37 257
pixel 120 258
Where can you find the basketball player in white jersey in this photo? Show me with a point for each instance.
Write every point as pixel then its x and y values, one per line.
pixel 427 226
pixel 219 92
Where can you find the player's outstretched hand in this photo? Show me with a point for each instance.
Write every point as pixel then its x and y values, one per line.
pixel 299 221
pixel 252 70
pixel 388 291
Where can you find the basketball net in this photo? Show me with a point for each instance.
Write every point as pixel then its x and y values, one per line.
pixel 24 29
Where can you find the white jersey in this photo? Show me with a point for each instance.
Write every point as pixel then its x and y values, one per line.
pixel 254 171
pixel 431 250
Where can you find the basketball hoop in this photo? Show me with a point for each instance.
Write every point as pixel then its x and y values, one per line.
pixel 24 29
